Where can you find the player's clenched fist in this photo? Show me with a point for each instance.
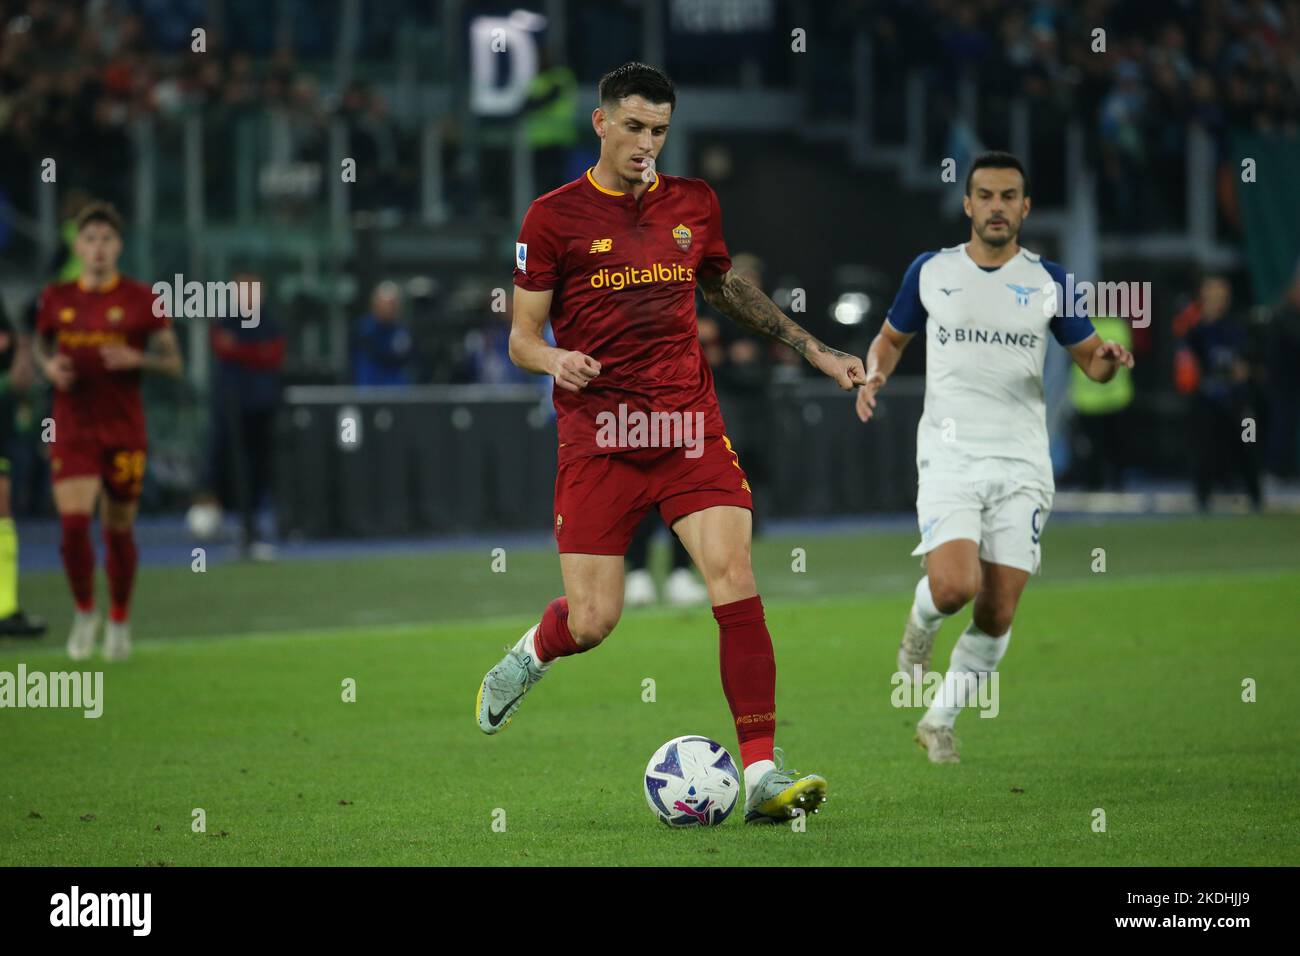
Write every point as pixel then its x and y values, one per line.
pixel 846 369
pixel 59 371
pixel 573 370
pixel 866 402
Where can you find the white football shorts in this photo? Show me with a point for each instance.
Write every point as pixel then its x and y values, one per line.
pixel 1005 518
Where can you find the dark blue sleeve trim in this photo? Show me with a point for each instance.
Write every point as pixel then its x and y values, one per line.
pixel 1073 326
pixel 907 314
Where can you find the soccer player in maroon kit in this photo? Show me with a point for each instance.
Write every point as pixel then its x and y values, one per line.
pixel 613 260
pixel 93 338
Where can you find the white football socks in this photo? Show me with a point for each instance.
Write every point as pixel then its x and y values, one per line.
pixel 754 773
pixel 530 647
pixel 924 613
pixel 975 655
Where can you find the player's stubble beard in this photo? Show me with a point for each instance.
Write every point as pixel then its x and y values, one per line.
pixel 994 240
pixel 631 176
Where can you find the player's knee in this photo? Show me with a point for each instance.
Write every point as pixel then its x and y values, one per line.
pixel 740 575
pixel 119 516
pixel 732 578
pixel 994 621
pixel 590 624
pixel 951 595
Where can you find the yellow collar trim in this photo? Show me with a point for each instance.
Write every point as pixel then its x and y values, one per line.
pixel 108 286
pixel 610 192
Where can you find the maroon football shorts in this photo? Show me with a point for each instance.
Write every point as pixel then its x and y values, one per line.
pixel 600 500
pixel 120 467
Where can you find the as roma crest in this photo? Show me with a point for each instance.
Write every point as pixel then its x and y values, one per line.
pixel 115 314
pixel 683 236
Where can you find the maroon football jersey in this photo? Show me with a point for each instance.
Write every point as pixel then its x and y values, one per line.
pixel 623 276
pixel 102 405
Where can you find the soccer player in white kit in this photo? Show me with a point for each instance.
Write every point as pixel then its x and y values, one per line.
pixel 985 483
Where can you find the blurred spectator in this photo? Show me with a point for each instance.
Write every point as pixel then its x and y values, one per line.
pixel 715 352
pixel 1123 144
pixel 67 267
pixel 487 353
pixel 381 343
pixel 549 122
pixel 1221 413
pixel 1099 422
pixel 373 143
pixel 1283 384
pixel 245 396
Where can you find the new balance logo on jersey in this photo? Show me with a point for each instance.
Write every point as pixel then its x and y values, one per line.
pixel 602 245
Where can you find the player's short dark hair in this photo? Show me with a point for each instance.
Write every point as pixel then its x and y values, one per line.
pixel 997 159
pixel 637 79
pixel 99 212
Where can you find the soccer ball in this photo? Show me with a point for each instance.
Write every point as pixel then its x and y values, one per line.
pixel 203 520
pixel 691 781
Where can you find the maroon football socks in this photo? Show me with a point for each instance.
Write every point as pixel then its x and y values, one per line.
pixel 748 675
pixel 78 559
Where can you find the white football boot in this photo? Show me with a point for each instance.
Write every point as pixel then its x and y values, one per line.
pixel 639 589
pixel 81 639
pixel 915 649
pixel 780 794
pixel 504 686
pixel 117 641
pixel 937 742
pixel 682 589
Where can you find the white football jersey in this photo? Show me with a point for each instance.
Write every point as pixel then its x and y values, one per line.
pixel 986 340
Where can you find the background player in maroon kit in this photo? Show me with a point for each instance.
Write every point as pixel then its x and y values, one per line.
pixel 613 260
pixel 93 339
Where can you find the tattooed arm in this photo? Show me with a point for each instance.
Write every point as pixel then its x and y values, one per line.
pixel 749 308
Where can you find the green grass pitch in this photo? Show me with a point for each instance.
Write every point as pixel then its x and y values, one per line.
pixel 1122 691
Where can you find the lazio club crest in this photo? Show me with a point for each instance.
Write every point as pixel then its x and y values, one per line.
pixel 683 236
